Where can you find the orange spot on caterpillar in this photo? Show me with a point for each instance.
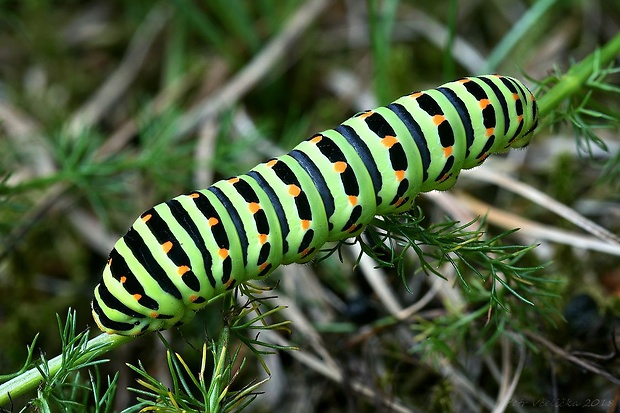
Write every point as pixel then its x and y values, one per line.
pixel 137 297
pixel 438 119
pixel 305 252
pixel 399 202
pixel 146 217
pixel 482 157
pixel 110 261
pixel 365 114
pixel 213 221
pixel 262 238
pixel 263 266
pixel 389 141
pixel 123 279
pixel 271 163
pixel 316 138
pixel 352 199
pixel 415 95
pixel 193 298
pixel 464 80
pixel 400 175
pixel 182 270
pixel 254 207
pixel 484 103
pixel 229 283
pixel 223 253
pixel 153 314
pixel 490 132
pixel 294 190
pixel 447 151
pixel 194 195
pixel 520 118
pixel 515 96
pixel 340 167
pixel 233 180
pixel 167 246
pixel 305 224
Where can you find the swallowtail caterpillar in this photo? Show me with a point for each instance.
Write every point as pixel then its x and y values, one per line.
pixel 185 251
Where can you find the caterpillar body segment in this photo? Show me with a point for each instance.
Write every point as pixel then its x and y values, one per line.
pixel 185 251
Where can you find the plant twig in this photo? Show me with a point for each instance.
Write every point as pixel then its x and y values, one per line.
pixel 33 377
pixel 570 357
pixel 126 72
pixel 545 201
pixel 537 230
pixel 577 75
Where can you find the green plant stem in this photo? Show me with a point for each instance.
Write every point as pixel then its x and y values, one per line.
pixel 30 379
pixel 382 18
pixel 577 75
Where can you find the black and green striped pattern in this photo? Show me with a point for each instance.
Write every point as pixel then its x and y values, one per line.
pixel 183 252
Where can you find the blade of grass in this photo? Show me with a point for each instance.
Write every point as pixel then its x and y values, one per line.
pixel 507 44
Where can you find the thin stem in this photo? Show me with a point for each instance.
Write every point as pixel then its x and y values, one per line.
pixel 577 75
pixel 23 383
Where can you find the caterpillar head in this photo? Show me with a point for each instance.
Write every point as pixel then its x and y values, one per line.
pixel 114 317
pixel 129 301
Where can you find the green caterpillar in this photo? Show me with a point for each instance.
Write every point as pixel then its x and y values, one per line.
pixel 185 251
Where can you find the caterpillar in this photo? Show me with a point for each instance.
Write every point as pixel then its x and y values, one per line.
pixel 185 251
